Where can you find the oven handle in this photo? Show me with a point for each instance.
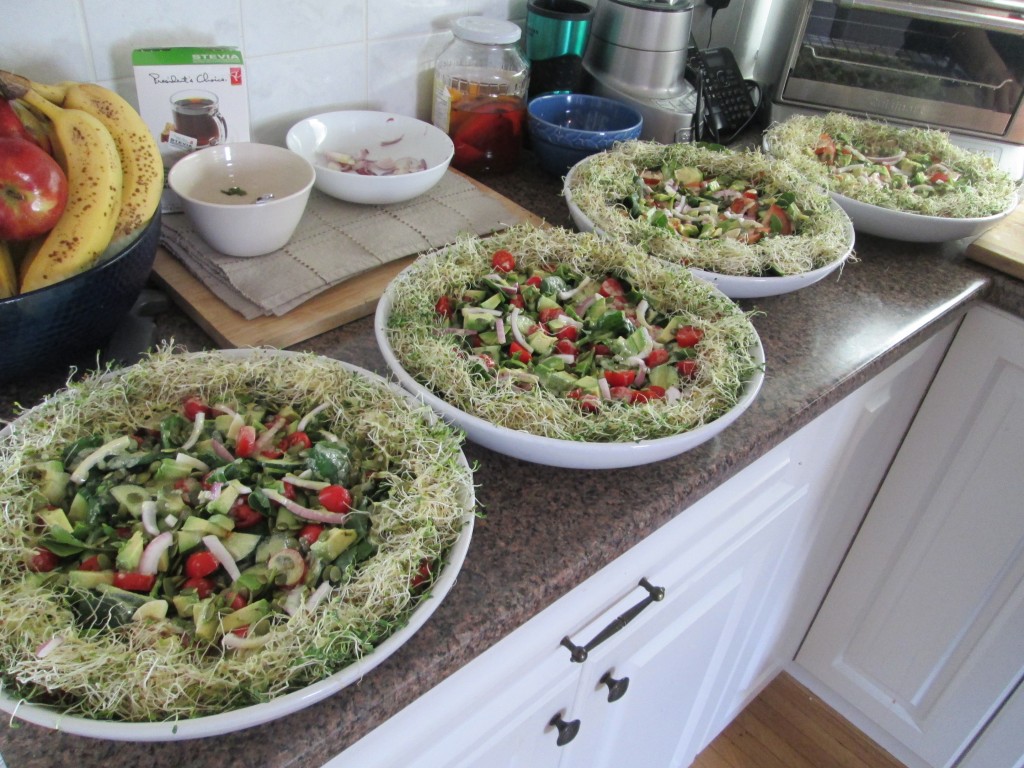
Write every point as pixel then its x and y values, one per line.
pixel 947 12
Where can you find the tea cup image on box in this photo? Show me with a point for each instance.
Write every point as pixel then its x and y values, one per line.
pixel 196 121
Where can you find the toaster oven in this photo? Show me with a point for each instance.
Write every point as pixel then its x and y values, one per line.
pixel 953 65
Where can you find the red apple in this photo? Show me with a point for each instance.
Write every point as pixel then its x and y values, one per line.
pixel 10 123
pixel 33 190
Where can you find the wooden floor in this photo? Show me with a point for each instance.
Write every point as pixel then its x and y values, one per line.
pixel 788 727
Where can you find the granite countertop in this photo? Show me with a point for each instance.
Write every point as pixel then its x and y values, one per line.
pixel 820 344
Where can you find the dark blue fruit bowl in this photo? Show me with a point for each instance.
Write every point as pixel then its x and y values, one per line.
pixel 70 321
pixel 566 127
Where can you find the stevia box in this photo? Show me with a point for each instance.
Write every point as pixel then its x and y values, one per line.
pixel 191 98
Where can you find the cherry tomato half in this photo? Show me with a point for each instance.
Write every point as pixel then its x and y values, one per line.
pixel 134 582
pixel 310 533
pixel 443 307
pixel 245 442
pixel 244 515
pixel 503 261
pixel 689 336
pixel 42 560
pixel 620 378
pixel 193 406
pixel 335 498
pixel 200 564
pixel 203 587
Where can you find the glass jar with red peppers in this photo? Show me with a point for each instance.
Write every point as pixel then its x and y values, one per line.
pixel 480 85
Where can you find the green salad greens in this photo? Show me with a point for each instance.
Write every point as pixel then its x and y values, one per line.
pixel 570 336
pixel 202 532
pixel 732 213
pixel 914 170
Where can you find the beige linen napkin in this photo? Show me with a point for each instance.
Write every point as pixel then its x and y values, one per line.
pixel 336 241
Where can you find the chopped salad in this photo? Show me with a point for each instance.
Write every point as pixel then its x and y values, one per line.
pixel 590 339
pixel 211 520
pixel 202 532
pixel 742 214
pixel 682 199
pixel 913 170
pixel 570 336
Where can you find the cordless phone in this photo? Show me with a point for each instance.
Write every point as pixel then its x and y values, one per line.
pixel 726 104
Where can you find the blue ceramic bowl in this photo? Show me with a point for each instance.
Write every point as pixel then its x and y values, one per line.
pixel 566 127
pixel 67 322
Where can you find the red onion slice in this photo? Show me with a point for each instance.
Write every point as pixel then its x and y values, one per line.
pixel 150 560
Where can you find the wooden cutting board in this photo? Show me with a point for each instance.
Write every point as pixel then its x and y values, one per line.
pixel 336 306
pixel 1002 247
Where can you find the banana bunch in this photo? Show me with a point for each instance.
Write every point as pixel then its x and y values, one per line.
pixel 114 171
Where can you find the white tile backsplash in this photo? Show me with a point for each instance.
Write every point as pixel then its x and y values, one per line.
pixel 302 56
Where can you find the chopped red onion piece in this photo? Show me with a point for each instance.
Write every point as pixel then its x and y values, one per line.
pixel 150 560
pixel 219 551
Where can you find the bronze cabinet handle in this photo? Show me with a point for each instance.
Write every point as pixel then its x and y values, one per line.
pixel 579 653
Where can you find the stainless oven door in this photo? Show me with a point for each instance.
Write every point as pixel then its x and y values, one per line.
pixel 952 65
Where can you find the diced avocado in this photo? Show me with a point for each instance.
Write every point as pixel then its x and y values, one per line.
pixel 270 545
pixel 55 518
pixel 689 175
pixel 253 579
pixel 245 616
pixel 130 553
pixel 222 422
pixel 79 509
pixel 596 310
pixel 558 381
pixel 202 526
pixel 474 295
pixel 185 603
pixel 131 497
pixel 241 545
pixel 541 341
pixel 225 500
pixel 546 302
pixel 154 609
pixel 206 619
pixel 664 376
pixel 491 302
pixel 475 319
pixel 188 540
pixel 588 384
pixel 224 522
pixel 51 479
pixel 89 579
pixel 334 543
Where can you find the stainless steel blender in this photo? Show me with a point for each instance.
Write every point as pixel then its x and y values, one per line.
pixel 637 55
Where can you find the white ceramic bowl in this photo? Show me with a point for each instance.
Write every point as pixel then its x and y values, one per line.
pixel 914 227
pixel 246 717
pixel 537 447
pixel 245 199
pixel 734 286
pixel 382 136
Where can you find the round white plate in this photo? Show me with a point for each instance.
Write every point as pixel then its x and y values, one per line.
pixel 246 717
pixel 914 227
pixel 553 452
pixel 733 286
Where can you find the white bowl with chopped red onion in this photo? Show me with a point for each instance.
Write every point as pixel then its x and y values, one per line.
pixel 373 158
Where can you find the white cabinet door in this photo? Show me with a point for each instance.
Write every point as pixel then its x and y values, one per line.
pixel 487 717
pixel 922 629
pixel 674 652
pixel 837 462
